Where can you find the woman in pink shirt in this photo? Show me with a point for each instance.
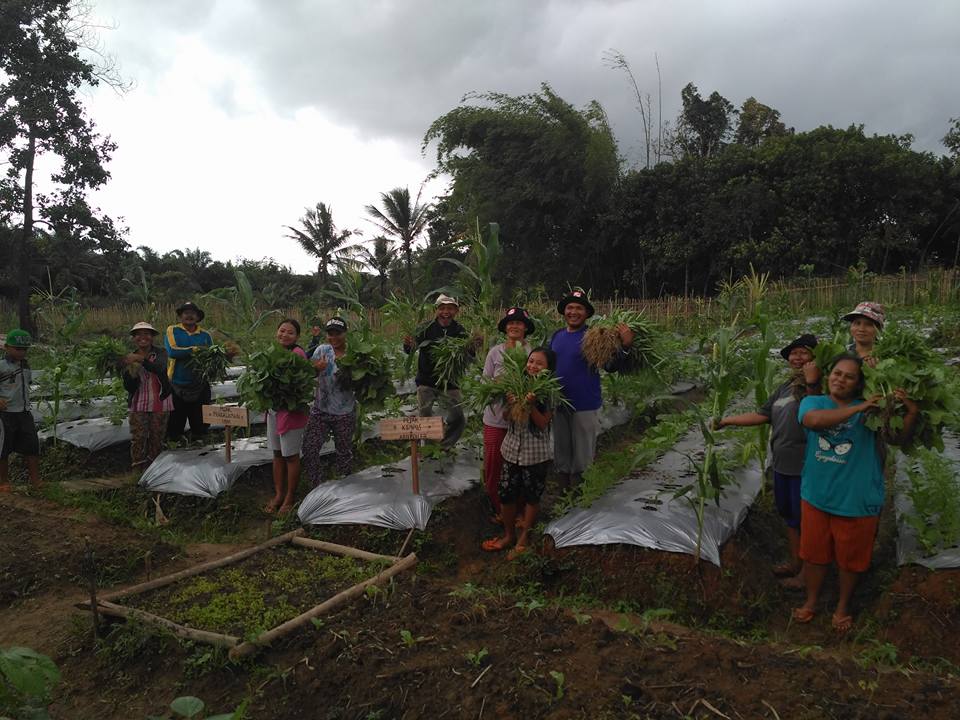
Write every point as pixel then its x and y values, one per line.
pixel 285 433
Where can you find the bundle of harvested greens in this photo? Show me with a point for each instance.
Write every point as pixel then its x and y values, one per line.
pixel 515 382
pixel 825 353
pixel 106 355
pixel 601 342
pixel 365 370
pixel 905 361
pixel 209 363
pixel 451 357
pixel 277 379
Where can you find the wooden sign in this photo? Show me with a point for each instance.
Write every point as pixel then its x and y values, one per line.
pixel 230 416
pixel 227 415
pixel 412 428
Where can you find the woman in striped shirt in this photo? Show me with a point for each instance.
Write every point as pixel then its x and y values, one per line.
pixel 149 395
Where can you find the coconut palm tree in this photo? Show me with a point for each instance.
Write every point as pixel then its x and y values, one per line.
pixel 321 238
pixel 402 220
pixel 379 259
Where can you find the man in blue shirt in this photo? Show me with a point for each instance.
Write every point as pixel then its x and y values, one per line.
pixel 575 431
pixel 190 393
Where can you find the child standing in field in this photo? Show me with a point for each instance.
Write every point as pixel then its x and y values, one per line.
pixel 18 432
pixel 527 453
pixel 149 395
pixel 285 433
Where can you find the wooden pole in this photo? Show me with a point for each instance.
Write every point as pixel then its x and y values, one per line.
pixel 203 567
pixel 342 550
pixel 415 465
pixel 227 433
pixel 92 570
pixel 227 641
pixel 264 639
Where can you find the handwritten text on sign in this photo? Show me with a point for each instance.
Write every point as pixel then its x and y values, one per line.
pixel 226 415
pixel 412 428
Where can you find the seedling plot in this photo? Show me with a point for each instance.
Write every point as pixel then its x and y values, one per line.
pixel 248 600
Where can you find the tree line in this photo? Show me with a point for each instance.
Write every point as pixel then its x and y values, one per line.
pixel 716 190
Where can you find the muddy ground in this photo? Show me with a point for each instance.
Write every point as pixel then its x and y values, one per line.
pixel 604 632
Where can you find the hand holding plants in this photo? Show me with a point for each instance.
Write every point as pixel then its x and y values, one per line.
pixel 626 334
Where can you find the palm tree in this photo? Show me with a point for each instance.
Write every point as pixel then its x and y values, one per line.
pixel 321 238
pixel 403 221
pixel 379 259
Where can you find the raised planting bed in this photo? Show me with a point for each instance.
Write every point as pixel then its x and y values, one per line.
pixel 251 598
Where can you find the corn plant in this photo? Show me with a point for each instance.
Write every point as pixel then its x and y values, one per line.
pixel 241 304
pixel 935 493
pixel 477 272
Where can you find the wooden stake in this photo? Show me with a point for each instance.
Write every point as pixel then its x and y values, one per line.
pixel 406 542
pixel 266 638
pixel 197 569
pixel 342 550
pixel 92 571
pixel 415 465
pixel 109 608
pixel 227 432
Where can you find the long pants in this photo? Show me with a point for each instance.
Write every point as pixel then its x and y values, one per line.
pixel 184 412
pixel 319 427
pixel 493 462
pixel 147 433
pixel 453 419
pixel 574 440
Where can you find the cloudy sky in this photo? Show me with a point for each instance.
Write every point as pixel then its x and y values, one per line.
pixel 244 112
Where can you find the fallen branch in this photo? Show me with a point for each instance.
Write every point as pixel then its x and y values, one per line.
pixel 342 550
pixel 109 608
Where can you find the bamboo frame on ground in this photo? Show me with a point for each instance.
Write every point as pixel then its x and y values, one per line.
pixel 237 647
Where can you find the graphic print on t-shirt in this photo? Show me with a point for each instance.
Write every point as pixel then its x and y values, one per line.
pixel 834 443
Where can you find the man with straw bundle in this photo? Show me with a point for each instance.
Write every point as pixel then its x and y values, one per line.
pixel 430 389
pixel 575 430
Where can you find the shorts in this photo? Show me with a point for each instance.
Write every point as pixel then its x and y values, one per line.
pixel 19 434
pixel 522 482
pixel 289 443
pixel 786 496
pixel 825 538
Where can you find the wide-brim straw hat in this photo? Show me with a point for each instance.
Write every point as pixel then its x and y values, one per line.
pixel 144 326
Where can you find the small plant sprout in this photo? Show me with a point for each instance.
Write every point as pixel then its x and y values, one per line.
pixel 409 640
pixel 476 658
pixel 528 606
pixel 582 618
pixel 560 679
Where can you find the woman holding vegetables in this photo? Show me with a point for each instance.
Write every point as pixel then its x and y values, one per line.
pixel 843 485
pixel 516 325
pixel 149 395
pixel 285 433
pixel 866 321
pixel 334 407
pixel 788 443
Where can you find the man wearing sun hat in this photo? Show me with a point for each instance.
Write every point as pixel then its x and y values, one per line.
pixel 18 431
pixel 190 393
pixel 575 431
pixel 429 388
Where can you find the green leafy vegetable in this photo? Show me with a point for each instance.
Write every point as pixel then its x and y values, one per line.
pixel 935 493
pixel 365 370
pixel 210 363
pixel 451 357
pixel 514 381
pixel 277 379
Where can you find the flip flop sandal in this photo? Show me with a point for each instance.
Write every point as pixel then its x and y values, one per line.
pixel 803 615
pixel 517 551
pixel 493 545
pixel 785 570
pixel 842 624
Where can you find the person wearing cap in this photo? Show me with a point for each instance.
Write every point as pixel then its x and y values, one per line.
pixel 18 431
pixel 190 393
pixel 334 409
pixel 149 395
pixel 316 336
pixel 516 325
pixel 866 321
pixel 429 391
pixel 575 430
pixel 788 443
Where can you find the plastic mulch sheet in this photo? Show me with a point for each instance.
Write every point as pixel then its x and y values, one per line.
pixel 641 510
pixel 908 547
pixel 204 471
pixel 90 434
pixel 383 495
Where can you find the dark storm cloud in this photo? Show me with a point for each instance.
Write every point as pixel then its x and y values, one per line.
pixel 390 67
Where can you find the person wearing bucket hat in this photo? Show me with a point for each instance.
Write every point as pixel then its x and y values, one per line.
pixel 18 431
pixel 516 324
pixel 334 409
pixel 866 321
pixel 575 431
pixel 190 393
pixel 788 442
pixel 149 395
pixel 429 388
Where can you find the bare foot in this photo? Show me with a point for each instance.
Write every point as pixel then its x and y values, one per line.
pixel 285 509
pixel 271 507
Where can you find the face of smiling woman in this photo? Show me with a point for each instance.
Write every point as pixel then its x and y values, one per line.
pixel 844 380
pixel 287 335
pixel 864 331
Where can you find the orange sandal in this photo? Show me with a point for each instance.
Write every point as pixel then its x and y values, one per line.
pixel 803 615
pixel 493 545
